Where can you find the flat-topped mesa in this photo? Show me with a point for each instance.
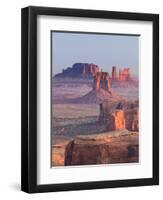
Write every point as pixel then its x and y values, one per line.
pixel 82 70
pixel 102 80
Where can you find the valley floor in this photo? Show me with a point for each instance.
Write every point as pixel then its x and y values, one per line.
pixel 73 123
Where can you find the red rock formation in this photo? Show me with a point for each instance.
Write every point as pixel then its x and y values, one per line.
pixel 102 80
pixel 116 119
pixel 102 149
pixel 58 151
pixel 124 74
pixel 95 69
pixel 114 73
pixel 90 69
pixel 119 119
pixel 132 119
pixel 85 152
pixel 79 70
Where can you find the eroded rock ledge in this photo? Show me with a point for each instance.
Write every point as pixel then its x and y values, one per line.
pixel 107 148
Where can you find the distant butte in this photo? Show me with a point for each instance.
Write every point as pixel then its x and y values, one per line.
pixel 89 70
pixel 83 70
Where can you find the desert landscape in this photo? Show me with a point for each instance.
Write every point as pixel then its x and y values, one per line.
pixel 95 116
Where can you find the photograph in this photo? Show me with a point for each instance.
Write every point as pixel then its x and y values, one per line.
pixel 90 99
pixel 94 98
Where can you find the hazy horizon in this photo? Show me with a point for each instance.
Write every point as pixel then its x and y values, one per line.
pixel 103 50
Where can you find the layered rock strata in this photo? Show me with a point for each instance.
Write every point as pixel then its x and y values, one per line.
pixel 82 70
pixel 118 116
pixel 102 81
pixel 116 147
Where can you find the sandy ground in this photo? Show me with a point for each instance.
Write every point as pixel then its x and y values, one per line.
pixel 71 111
pixel 70 90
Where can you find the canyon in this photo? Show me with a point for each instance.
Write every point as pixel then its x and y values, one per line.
pixel 88 104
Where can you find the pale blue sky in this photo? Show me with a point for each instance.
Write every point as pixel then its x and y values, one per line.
pixel 104 50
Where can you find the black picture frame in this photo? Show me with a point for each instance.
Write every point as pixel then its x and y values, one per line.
pixel 29 98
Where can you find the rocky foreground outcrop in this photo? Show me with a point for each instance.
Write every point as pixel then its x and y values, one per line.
pixel 113 147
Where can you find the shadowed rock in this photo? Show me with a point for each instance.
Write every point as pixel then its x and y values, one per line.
pixel 82 70
pixel 118 147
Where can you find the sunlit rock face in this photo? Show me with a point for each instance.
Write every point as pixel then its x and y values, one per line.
pixel 118 116
pixel 124 74
pixel 120 119
pixel 102 81
pixel 103 149
pixel 117 120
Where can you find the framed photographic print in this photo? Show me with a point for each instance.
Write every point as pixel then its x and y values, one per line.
pixel 90 99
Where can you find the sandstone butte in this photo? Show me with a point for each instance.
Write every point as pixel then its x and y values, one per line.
pixel 120 115
pixel 83 70
pixel 121 119
pixel 115 147
pixel 89 70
